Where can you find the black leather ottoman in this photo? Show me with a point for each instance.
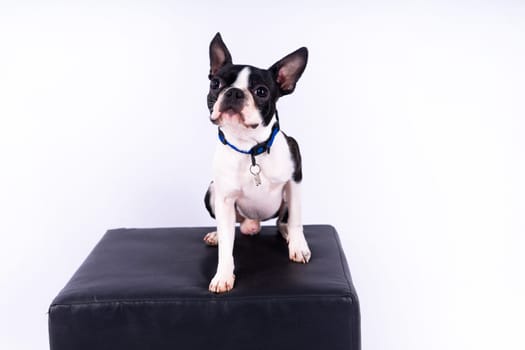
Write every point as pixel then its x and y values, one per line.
pixel 148 289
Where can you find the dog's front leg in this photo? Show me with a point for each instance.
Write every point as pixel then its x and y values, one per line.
pixel 297 246
pixel 225 216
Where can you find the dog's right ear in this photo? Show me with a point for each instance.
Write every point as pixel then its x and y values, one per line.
pixel 219 54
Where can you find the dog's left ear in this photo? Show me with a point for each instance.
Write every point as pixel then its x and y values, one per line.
pixel 219 54
pixel 288 70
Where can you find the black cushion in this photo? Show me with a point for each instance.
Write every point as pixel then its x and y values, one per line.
pixel 148 289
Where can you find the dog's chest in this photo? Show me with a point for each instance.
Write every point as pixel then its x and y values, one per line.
pixel 259 201
pixel 233 177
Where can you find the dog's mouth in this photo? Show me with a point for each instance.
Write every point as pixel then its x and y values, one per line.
pixel 230 116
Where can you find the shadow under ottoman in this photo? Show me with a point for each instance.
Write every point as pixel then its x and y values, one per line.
pixel 148 289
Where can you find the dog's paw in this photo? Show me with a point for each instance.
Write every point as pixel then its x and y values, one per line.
pixel 250 227
pixel 222 283
pixel 299 251
pixel 211 238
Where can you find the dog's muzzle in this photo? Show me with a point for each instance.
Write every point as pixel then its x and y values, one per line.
pixel 233 99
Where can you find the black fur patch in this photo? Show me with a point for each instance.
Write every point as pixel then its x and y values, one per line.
pixel 296 158
pixel 207 202
pixel 283 219
pixel 259 77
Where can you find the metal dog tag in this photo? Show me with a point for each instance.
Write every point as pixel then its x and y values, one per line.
pixel 255 170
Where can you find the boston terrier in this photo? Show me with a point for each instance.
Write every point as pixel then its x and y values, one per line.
pixel 257 167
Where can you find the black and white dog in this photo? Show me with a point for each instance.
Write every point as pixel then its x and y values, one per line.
pixel 257 168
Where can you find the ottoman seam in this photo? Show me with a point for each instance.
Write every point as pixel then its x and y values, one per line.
pixel 192 300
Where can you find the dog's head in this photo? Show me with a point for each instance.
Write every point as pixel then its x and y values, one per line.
pixel 243 97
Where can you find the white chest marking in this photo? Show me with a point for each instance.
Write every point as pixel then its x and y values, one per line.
pixel 233 178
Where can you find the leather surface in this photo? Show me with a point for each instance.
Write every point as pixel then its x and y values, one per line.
pixel 147 289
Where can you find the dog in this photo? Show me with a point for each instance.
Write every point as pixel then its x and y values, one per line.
pixel 257 167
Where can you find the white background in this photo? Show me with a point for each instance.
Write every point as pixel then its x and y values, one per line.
pixel 410 116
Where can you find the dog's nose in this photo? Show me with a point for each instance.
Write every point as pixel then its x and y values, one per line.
pixel 233 99
pixel 234 94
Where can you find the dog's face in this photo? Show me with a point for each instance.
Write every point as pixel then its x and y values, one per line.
pixel 242 97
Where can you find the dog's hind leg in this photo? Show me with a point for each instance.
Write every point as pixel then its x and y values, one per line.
pixel 209 201
pixel 211 238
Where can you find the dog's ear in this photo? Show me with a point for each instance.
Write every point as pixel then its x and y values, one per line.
pixel 288 70
pixel 219 54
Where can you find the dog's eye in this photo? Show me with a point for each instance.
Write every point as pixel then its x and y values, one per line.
pixel 215 84
pixel 261 91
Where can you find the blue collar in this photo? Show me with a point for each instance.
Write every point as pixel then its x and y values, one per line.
pixel 259 148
